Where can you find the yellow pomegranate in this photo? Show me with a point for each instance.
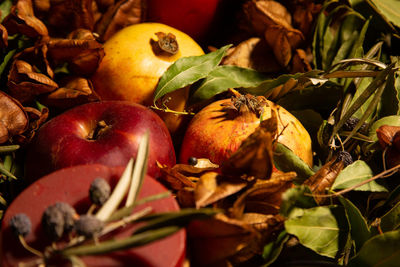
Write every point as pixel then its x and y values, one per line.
pixel 135 58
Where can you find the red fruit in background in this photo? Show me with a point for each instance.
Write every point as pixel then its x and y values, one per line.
pixel 71 185
pixel 193 17
pixel 103 132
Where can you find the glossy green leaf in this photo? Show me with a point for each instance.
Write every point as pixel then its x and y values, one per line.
pixel 296 197
pixel 224 77
pixel 286 161
pixel 389 9
pixel 322 229
pixel 379 251
pixel 359 229
pixel 188 70
pixel 5 7
pixel 272 249
pixel 391 220
pixel 270 84
pixel 354 174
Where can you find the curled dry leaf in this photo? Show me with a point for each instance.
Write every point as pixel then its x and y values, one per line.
pixel 304 15
pixel 300 62
pixel 72 91
pixel 36 118
pixel 264 197
pixel 324 178
pixel 119 15
pixel 4 37
pixel 255 154
pixel 36 56
pixel 263 13
pixel 22 20
pixel 65 16
pixel 212 187
pixel 219 239
pixel 25 83
pixel 253 53
pixel 13 118
pixel 83 55
pixel 389 139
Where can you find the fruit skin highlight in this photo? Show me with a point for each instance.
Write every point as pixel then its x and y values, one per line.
pixel 105 132
pixel 215 132
pixel 133 64
pixel 71 185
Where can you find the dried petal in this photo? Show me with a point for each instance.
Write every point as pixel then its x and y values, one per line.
pixel 253 53
pixel 386 134
pixel 13 119
pixel 73 91
pixel 4 37
pixel 25 83
pixel 121 14
pixel 22 20
pixel 212 187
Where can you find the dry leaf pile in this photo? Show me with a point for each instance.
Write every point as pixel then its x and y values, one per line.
pixel 278 36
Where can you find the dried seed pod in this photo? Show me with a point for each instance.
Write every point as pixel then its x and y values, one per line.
pixel 88 225
pixel 53 222
pixel 69 214
pixel 345 157
pixel 99 191
pixel 20 224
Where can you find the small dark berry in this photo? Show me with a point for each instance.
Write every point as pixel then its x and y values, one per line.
pixel 345 157
pixel 69 214
pixel 351 123
pixel 192 161
pixel 99 191
pixel 88 225
pixel 20 224
pixel 53 222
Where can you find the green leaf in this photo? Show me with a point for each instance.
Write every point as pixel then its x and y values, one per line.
pixel 181 218
pixel 359 229
pixel 296 197
pixel 354 174
pixel 272 249
pixel 391 220
pixel 224 77
pixel 390 100
pixel 120 244
pixel 188 70
pixel 286 161
pixel 322 229
pixel 5 7
pixel 389 8
pixel 270 84
pixel 379 251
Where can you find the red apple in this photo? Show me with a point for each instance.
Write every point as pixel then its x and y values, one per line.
pixel 193 17
pixel 105 132
pixel 71 185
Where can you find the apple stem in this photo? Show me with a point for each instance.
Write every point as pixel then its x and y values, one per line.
pixel 101 127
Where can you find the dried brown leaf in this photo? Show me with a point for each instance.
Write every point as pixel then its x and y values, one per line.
pixel 264 13
pixel 25 83
pixel 123 13
pixel 22 20
pixel 324 178
pixel 83 55
pixel 254 156
pixel 212 187
pixel 300 62
pixel 68 15
pixel 304 15
pixel 4 37
pixel 221 238
pixel 36 56
pixel 36 118
pixel 264 197
pixel 73 91
pixel 386 134
pixel 13 119
pixel 253 53
pixel 174 179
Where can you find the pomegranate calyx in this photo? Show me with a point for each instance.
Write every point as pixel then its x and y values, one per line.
pixel 167 43
pixel 244 104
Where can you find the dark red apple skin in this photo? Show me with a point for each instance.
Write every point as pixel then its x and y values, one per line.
pixel 71 185
pixel 63 142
